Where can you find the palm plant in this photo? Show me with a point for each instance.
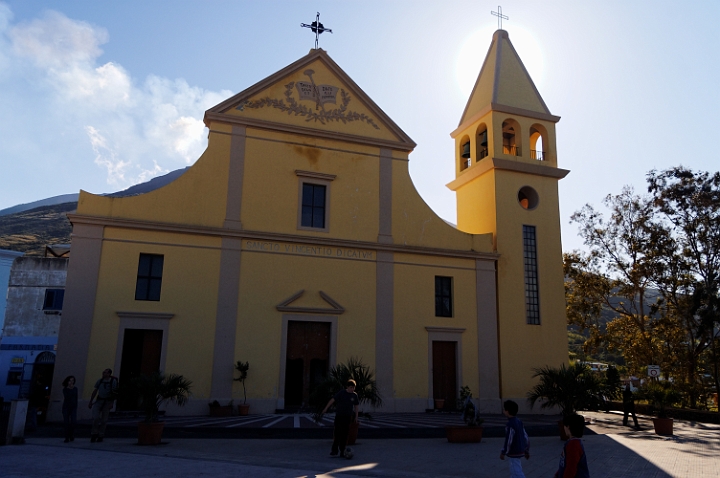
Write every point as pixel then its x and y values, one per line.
pixel 336 378
pixel 242 368
pixel 157 388
pixel 569 388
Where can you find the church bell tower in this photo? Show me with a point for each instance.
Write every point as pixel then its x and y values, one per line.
pixel 506 181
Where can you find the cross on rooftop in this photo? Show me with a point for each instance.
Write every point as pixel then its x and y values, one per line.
pixel 317 28
pixel 498 14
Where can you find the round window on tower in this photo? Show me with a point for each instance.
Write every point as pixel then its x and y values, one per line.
pixel 528 198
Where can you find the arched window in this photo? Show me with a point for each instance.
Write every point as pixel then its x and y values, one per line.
pixel 482 142
pixel 538 141
pixel 464 154
pixel 511 134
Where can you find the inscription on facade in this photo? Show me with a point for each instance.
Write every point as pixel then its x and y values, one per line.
pixel 308 250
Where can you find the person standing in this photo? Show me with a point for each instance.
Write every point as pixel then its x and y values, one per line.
pixel 573 461
pixel 517 443
pixel 346 411
pixel 629 406
pixel 69 407
pixel 105 391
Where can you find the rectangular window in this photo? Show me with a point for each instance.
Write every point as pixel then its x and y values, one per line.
pixel 443 296
pixel 13 378
pixel 313 206
pixel 53 299
pixel 149 277
pixel 532 296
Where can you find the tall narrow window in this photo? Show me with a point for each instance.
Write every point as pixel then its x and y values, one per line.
pixel 443 296
pixel 532 297
pixel 313 206
pixel 149 277
pixel 53 299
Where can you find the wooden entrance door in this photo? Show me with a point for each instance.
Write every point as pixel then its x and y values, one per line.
pixel 140 356
pixel 307 362
pixel 444 368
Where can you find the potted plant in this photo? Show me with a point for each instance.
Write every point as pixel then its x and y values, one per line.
pixel 155 390
pixel 661 397
pixel 472 431
pixel 217 410
pixel 337 376
pixel 242 368
pixel 570 389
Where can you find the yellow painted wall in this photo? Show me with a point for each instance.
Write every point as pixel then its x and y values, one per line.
pixel 269 278
pixel 548 340
pixel 414 309
pixel 189 290
pixel 207 180
pixel 272 161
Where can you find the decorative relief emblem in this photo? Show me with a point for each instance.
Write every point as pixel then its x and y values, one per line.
pixel 320 94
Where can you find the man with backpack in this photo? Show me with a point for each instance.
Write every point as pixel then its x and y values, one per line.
pixel 104 396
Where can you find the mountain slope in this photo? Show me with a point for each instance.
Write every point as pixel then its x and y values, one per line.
pixel 29 229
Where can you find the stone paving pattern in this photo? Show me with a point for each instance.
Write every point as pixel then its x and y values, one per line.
pixel 613 451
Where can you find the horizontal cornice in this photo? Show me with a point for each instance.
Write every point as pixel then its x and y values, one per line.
pixel 498 108
pixel 478 169
pixel 144 315
pixel 301 130
pixel 270 236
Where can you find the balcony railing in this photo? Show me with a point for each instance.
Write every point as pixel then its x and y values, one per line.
pixel 512 150
pixel 539 155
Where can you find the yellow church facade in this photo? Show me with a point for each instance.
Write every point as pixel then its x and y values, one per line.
pixel 297 241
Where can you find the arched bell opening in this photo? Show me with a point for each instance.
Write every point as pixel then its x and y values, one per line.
pixel 481 143
pixel 538 142
pixel 511 137
pixel 464 154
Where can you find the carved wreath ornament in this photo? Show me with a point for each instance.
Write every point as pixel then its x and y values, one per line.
pixel 320 94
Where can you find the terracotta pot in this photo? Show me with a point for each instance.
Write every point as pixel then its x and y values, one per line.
pixel 150 433
pixel 463 434
pixel 353 432
pixel 663 426
pixel 439 403
pixel 243 410
pixel 221 411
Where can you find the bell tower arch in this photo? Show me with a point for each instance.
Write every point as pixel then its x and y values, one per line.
pixel 508 187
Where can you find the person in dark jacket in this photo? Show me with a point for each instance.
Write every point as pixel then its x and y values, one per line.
pixel 517 444
pixel 629 406
pixel 69 407
pixel 573 461
pixel 346 411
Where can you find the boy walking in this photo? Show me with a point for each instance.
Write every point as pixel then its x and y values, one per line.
pixel 573 461
pixel 517 444
pixel 346 411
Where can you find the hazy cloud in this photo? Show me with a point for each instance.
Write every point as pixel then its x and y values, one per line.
pixel 134 130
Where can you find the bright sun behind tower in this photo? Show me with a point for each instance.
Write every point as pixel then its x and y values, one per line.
pixel 474 49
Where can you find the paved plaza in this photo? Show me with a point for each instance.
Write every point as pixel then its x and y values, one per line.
pixel 613 451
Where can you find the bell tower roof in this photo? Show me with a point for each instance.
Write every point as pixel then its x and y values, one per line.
pixel 505 85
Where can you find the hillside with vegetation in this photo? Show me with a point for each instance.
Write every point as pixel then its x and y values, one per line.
pixel 30 231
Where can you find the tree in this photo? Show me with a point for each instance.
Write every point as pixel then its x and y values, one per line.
pixel 616 275
pixel 688 275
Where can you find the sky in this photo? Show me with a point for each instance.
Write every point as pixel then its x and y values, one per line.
pixel 102 95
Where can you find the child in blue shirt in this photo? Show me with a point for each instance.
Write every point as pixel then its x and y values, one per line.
pixel 517 444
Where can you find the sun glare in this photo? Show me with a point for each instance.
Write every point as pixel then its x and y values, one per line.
pixel 473 51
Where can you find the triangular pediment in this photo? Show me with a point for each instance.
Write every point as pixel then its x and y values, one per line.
pixel 312 95
pixel 503 82
pixel 313 307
